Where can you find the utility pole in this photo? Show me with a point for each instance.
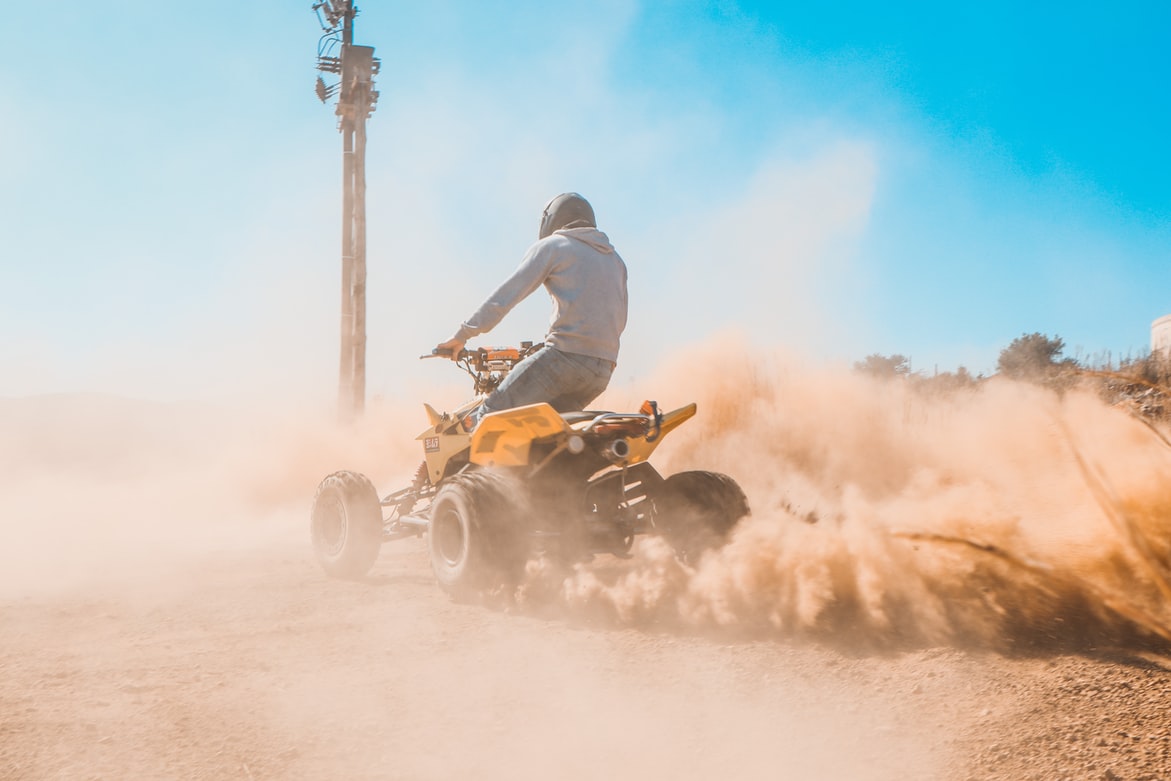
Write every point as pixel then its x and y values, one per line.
pixel 356 66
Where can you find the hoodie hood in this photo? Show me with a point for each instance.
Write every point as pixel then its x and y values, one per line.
pixel 590 236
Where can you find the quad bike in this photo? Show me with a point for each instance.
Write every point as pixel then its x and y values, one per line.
pixel 524 481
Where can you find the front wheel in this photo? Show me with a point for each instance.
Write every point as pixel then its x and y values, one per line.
pixel 475 539
pixel 346 525
pixel 696 511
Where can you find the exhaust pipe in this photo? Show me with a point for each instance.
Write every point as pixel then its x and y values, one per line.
pixel 618 450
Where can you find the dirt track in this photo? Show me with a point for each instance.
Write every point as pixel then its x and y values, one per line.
pixel 161 614
pixel 256 666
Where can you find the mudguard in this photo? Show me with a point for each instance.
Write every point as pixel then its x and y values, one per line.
pixel 641 449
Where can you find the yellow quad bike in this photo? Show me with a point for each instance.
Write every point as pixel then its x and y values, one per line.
pixel 525 481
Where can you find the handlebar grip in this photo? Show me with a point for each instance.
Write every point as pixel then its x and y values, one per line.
pixel 437 353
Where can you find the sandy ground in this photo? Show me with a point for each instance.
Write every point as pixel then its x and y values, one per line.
pixel 254 665
pixel 982 597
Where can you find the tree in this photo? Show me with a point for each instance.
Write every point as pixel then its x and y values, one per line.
pixel 1034 357
pixel 884 365
pixel 949 382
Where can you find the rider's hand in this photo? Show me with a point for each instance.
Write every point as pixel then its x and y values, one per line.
pixel 452 347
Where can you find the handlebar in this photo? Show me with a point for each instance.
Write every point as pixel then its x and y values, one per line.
pixel 487 366
pixel 481 354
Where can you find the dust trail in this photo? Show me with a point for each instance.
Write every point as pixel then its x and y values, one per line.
pixel 100 488
pixel 1001 516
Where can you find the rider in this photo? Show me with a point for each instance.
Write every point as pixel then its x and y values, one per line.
pixel 586 280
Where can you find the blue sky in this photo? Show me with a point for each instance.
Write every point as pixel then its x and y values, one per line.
pixel 836 181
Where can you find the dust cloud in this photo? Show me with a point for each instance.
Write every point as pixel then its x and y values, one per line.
pixel 102 489
pixel 1002 516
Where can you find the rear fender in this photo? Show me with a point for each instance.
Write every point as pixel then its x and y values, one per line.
pixel 641 448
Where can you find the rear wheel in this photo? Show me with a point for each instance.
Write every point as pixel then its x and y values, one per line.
pixel 346 525
pixel 696 511
pixel 475 538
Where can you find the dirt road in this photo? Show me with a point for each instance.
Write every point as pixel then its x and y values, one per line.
pixel 980 598
pixel 255 666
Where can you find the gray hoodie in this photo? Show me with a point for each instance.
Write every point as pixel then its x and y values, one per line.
pixel 585 278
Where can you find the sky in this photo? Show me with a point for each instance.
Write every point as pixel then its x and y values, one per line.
pixel 834 181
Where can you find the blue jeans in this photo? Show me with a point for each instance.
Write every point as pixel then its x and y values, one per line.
pixel 567 381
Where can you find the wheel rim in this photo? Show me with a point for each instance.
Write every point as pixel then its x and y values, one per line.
pixel 331 526
pixel 449 541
